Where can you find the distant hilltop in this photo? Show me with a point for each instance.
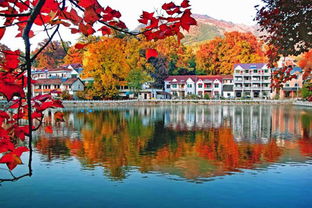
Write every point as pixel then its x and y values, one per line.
pixel 208 28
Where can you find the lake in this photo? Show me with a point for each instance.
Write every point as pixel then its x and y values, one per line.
pixel 168 156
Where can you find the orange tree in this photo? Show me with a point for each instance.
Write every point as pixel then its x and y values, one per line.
pixel 79 16
pixel 220 54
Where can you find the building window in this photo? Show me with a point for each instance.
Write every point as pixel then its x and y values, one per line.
pixel 200 85
pixel 296 84
pixel 174 86
pixel 287 85
pixel 216 85
pixel 266 71
pixel 168 86
pixel 175 94
pixel 228 94
pixel 189 85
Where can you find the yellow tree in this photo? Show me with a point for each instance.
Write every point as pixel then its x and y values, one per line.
pixel 106 62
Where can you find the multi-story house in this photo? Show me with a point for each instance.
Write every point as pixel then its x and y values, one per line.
pixel 66 71
pixel 209 85
pixel 72 85
pixel 181 86
pixel 63 78
pixel 252 80
pixel 200 85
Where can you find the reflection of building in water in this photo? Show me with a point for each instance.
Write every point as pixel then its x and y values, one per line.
pixel 286 123
pixel 191 117
pixel 252 123
pixel 69 128
pixel 247 122
pixel 255 123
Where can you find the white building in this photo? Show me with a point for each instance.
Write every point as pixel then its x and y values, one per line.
pixel 43 86
pixel 200 85
pixel 181 86
pixel 252 80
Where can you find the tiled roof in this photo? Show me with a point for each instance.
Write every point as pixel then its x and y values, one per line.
pixel 48 81
pixel 251 66
pixel 56 81
pixel 70 81
pixel 183 78
pixel 213 77
pixel 45 70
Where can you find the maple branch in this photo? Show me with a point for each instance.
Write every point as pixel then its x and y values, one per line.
pixel 106 24
pixel 62 42
pixel 15 15
pixel 16 23
pixel 46 44
pixel 120 30
pixel 28 60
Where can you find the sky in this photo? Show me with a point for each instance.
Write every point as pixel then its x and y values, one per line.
pixel 236 11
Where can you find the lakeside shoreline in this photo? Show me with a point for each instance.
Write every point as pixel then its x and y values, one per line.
pixel 90 103
pixel 159 102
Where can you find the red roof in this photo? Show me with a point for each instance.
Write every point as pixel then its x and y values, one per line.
pixel 183 78
pixel 70 81
pixel 48 81
pixel 56 81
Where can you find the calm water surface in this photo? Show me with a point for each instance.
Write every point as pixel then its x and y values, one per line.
pixel 169 156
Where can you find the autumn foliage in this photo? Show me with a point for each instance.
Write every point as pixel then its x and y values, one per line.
pixel 219 55
pixel 79 17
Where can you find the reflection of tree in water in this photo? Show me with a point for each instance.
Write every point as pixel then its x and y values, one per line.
pixel 116 141
pixel 53 148
pixel 305 142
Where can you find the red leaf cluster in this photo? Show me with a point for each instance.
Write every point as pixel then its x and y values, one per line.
pixel 158 27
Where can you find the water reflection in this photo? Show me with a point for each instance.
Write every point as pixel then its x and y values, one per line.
pixel 192 142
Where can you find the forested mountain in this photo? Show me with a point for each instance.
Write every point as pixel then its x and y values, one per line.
pixel 208 28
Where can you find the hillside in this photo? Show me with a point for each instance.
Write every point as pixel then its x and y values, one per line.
pixel 209 27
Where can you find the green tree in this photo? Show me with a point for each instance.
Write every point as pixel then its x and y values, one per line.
pixel 136 78
pixel 306 91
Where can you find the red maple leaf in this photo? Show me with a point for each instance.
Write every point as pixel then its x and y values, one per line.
pixel 187 20
pixel 2 31
pixel 80 45
pixel 185 4
pixel 150 53
pixel 87 3
pixel 12 159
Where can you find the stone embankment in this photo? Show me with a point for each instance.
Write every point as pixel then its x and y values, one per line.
pixel 90 103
